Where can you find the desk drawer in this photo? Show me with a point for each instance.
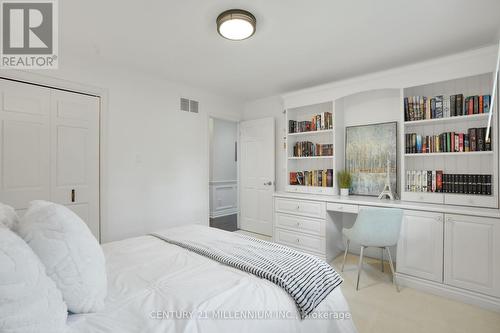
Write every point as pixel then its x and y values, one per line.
pixel 301 224
pixel 301 207
pixel 300 241
pixel 339 207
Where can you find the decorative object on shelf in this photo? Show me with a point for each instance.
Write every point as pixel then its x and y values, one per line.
pixel 344 179
pixel 368 148
pixel 387 192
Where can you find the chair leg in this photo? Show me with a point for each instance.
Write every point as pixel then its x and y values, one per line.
pixel 392 269
pixel 345 255
pixel 382 258
pixel 360 266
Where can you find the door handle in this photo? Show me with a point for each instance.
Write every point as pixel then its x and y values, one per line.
pixel 73 195
pixel 269 183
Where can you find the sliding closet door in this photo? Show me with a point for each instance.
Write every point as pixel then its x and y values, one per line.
pixel 75 154
pixel 24 143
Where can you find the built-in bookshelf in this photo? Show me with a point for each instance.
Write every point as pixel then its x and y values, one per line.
pixel 444 156
pixel 310 147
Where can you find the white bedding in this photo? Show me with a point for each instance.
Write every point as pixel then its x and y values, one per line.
pixel 151 281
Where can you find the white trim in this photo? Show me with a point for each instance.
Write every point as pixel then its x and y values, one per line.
pixel 222 182
pixel 463 64
pixel 225 212
pixel 462 295
pixel 235 119
pixel 103 94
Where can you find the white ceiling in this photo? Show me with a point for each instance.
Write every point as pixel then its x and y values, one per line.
pixel 298 43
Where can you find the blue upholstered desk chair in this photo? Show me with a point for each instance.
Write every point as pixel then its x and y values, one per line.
pixel 375 227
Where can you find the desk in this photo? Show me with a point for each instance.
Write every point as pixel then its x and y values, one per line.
pixel 434 250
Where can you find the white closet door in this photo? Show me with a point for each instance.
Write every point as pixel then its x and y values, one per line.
pixel 75 154
pixel 24 143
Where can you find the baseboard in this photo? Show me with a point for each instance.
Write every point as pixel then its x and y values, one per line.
pixel 462 295
pixel 225 212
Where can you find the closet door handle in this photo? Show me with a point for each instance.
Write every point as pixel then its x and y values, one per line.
pixel 73 195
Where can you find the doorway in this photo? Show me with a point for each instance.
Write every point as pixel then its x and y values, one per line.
pixel 223 173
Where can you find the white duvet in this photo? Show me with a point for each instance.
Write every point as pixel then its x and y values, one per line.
pixel 154 286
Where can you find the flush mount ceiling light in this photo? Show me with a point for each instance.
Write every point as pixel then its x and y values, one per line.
pixel 236 24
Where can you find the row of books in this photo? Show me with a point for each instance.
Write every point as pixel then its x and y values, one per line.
pixel 437 181
pixel 449 142
pixel 322 178
pixel 319 122
pixel 308 148
pixel 421 107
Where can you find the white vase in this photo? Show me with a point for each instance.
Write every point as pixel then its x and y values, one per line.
pixel 344 192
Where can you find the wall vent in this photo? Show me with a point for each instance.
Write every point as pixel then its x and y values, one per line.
pixel 189 105
pixel 193 106
pixel 184 104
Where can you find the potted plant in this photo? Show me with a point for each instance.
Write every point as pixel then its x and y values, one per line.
pixel 345 180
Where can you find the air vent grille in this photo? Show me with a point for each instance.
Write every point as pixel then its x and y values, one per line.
pixel 193 106
pixel 189 105
pixel 184 104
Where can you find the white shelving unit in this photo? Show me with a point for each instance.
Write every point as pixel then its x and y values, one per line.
pixel 480 162
pixel 296 164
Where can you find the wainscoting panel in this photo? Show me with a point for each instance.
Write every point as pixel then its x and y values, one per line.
pixel 223 198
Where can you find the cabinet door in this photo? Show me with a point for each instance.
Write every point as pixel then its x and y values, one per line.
pixel 472 253
pixel 24 143
pixel 75 154
pixel 420 246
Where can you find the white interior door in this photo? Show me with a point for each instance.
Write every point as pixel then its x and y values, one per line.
pixel 24 143
pixel 75 154
pixel 257 176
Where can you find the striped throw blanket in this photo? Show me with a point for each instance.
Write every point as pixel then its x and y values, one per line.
pixel 306 278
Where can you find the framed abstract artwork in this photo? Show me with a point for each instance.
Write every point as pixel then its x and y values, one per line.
pixel 367 150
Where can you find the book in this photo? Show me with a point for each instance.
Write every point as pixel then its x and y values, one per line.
pixel 439 181
pixel 453 108
pixel 459 104
pixel 480 135
pixel 486 103
pixel 439 106
pixel 471 105
pixel 476 104
pixel 446 107
pixel 488 144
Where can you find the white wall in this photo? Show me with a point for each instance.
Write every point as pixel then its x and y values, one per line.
pixel 156 157
pixel 223 135
pixel 272 107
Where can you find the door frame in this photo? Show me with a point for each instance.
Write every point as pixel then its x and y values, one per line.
pixel 71 86
pixel 236 120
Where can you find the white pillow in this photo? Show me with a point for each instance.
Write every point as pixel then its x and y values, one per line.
pixel 71 254
pixel 8 216
pixel 29 299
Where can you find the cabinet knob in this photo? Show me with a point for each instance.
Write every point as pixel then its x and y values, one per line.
pixel 298 207
pixel 439 218
pixel 298 224
pixel 298 240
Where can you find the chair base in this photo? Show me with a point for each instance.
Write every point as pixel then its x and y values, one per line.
pixel 360 264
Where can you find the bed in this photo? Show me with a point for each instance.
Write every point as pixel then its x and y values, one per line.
pixel 155 286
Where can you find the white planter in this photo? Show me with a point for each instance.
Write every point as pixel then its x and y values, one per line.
pixel 344 192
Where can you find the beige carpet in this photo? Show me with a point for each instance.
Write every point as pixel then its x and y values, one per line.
pixel 378 307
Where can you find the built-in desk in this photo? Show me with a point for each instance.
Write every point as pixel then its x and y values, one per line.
pixel 448 250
